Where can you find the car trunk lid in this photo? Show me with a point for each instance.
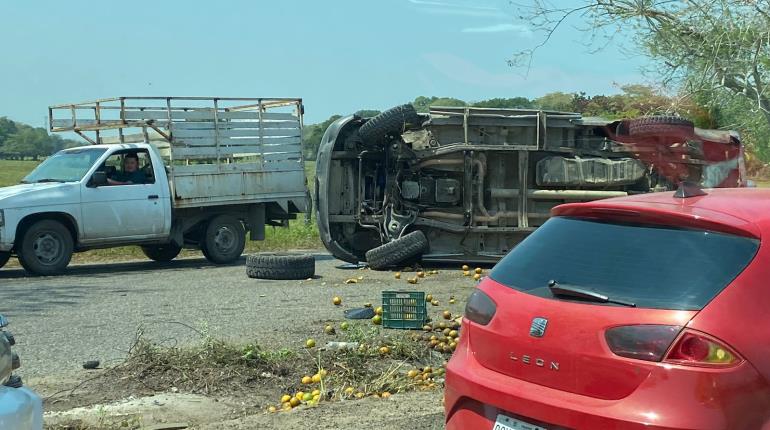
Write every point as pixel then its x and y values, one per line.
pixel 561 344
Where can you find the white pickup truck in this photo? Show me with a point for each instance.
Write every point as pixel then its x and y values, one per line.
pixel 199 173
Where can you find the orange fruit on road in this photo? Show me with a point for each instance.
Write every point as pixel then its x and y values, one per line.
pixel 478 270
pixel 336 300
pixel 310 343
pixel 307 380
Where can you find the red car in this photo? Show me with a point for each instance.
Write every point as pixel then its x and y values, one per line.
pixel 642 312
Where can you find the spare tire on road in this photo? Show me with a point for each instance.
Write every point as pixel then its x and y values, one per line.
pixel 270 265
pixel 402 249
pixel 392 121
pixel 650 126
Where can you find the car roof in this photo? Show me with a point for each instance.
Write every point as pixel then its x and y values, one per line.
pixel 744 211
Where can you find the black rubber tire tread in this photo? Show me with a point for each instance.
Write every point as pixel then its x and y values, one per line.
pixel 161 253
pixel 409 246
pixel 660 126
pixel 26 254
pixel 391 121
pixel 210 251
pixel 4 257
pixel 270 265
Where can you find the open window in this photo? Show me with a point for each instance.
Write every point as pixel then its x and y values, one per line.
pixel 128 167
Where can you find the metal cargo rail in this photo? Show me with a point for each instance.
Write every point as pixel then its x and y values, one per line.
pixel 218 150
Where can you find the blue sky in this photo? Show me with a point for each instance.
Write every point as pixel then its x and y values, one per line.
pixel 340 56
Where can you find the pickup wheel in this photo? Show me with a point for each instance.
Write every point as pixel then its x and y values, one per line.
pixel 46 248
pixel 4 257
pixel 651 126
pixel 409 246
pixel 224 239
pixel 267 265
pixel 162 253
pixel 393 120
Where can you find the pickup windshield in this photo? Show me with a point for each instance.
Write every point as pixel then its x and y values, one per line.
pixel 648 266
pixel 69 165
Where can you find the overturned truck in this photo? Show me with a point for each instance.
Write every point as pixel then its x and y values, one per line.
pixel 468 184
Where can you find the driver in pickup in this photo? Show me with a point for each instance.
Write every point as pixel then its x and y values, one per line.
pixel 131 174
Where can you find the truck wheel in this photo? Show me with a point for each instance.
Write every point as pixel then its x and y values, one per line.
pixel 162 253
pixel 224 240
pixel 267 265
pixel 46 248
pixel 412 245
pixel 651 126
pixel 4 257
pixel 391 121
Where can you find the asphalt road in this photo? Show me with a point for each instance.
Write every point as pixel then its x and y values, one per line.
pixel 94 311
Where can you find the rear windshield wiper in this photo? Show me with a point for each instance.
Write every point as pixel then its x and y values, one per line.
pixel 566 290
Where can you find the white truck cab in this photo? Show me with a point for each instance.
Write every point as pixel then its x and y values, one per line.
pixel 200 178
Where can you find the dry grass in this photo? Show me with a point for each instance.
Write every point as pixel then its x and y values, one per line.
pixel 226 369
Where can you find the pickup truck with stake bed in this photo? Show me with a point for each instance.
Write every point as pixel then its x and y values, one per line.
pixel 196 173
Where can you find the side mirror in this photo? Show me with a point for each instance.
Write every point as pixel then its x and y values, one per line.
pixel 98 179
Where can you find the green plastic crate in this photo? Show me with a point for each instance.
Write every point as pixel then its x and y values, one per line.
pixel 404 309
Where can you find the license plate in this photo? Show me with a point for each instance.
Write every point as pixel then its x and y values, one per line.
pixel 504 422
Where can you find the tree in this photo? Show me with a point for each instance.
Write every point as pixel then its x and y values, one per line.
pixel 511 103
pixel 28 142
pixel 715 50
pixel 556 101
pixel 312 135
pixel 423 104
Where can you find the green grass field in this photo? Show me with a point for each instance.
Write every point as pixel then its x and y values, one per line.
pixel 298 235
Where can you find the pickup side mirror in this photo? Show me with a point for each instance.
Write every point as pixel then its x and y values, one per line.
pixel 98 179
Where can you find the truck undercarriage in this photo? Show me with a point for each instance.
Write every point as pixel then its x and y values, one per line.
pixel 474 182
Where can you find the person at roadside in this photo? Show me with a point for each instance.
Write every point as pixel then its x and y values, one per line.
pixel 130 174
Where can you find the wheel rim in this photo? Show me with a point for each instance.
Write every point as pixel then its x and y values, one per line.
pixel 225 239
pixel 48 248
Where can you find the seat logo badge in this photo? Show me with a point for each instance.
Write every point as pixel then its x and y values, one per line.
pixel 537 329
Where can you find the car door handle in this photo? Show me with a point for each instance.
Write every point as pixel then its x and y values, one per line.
pixel 152 196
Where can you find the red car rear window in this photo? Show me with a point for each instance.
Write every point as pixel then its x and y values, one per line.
pixel 652 266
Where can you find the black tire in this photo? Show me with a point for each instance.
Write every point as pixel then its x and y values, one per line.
pixel 162 253
pixel 651 126
pixel 392 121
pixel 407 247
pixel 46 248
pixel 224 239
pixel 280 266
pixel 4 257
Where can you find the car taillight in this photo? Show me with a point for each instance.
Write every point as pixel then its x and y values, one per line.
pixel 642 342
pixel 699 349
pixel 480 308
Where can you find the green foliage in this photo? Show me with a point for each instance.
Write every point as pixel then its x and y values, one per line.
pixel 423 104
pixel 713 51
pixel 20 141
pixel 312 134
pixel 511 103
pixel 556 101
